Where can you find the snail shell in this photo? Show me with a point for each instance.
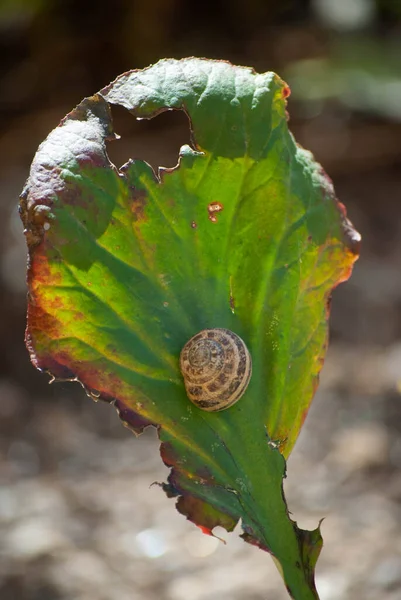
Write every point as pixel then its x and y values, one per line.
pixel 216 366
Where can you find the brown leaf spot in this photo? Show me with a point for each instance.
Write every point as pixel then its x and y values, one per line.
pixel 204 515
pixel 39 320
pixel 168 454
pixel 138 204
pixel 214 208
pixel 39 269
pixel 250 539
pixel 54 363
pixel 56 303
pixel 132 419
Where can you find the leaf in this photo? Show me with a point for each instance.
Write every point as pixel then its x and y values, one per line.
pixel 126 265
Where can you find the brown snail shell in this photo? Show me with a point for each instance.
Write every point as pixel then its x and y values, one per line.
pixel 216 366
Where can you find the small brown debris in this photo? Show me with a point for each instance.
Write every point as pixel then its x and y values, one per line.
pixel 194 224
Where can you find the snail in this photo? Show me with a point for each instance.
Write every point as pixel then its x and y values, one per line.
pixel 216 366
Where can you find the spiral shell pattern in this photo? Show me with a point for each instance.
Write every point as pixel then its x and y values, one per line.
pixel 216 366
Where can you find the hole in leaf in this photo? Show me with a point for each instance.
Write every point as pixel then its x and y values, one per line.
pixel 157 140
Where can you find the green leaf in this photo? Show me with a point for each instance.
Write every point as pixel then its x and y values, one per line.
pixel 125 266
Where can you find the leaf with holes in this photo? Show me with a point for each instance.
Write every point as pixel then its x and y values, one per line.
pixel 126 265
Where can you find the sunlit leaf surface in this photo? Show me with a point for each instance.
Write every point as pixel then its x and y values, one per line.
pixel 125 265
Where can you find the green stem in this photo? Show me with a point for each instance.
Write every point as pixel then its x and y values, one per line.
pixel 269 524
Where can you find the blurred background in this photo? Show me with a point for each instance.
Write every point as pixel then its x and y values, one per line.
pixel 78 518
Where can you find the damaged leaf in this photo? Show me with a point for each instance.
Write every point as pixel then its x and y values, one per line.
pixel 126 265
